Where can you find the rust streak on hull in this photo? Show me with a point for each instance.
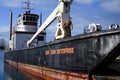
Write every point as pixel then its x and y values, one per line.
pixel 46 73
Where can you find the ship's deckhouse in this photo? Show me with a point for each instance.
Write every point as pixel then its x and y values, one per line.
pixel 27 22
pixel 25 28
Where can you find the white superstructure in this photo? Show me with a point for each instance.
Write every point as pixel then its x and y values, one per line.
pixel 25 28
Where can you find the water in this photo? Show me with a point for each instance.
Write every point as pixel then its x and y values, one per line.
pixel 2 75
pixel 9 73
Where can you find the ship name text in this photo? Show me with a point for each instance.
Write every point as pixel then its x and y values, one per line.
pixel 60 51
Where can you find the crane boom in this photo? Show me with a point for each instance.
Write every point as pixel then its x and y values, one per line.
pixel 63 7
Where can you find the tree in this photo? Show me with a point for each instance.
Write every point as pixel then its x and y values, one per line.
pixel 2 43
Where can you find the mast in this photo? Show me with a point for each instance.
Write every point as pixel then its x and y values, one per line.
pixel 27 8
pixel 40 19
pixel 10 24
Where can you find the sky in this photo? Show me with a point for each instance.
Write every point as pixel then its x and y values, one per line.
pixel 83 13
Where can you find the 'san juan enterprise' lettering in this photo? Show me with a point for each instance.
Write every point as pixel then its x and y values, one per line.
pixel 60 51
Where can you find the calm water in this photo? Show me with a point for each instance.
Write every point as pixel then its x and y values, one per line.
pixel 8 73
pixel 2 75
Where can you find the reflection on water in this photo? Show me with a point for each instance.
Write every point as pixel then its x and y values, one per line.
pixel 2 76
pixel 9 73
pixel 13 74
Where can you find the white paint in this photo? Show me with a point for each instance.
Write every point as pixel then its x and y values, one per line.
pixel 22 33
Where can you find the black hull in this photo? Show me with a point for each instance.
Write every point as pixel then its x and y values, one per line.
pixel 81 53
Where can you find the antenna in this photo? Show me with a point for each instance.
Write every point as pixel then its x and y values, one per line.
pixel 27 8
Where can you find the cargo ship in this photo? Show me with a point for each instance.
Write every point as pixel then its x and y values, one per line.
pixel 94 55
